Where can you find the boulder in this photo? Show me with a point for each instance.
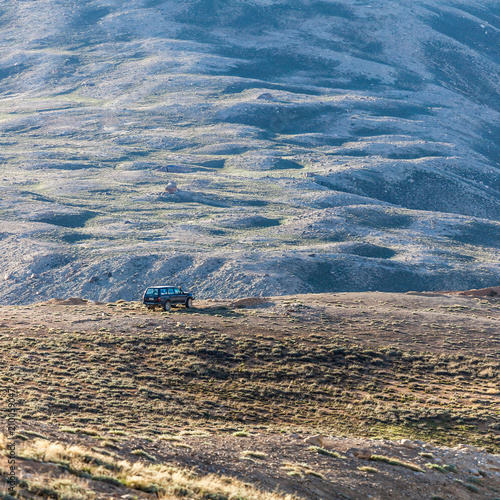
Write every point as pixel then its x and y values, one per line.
pixel 171 187
pixel 317 440
pixel 407 443
pixel 469 448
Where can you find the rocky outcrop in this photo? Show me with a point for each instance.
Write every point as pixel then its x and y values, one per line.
pixel 171 187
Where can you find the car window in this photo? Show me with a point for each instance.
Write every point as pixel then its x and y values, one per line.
pixel 163 291
pixel 152 292
pixel 177 291
pixel 171 291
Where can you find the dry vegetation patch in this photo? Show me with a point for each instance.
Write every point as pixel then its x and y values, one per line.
pixel 155 387
pixel 165 481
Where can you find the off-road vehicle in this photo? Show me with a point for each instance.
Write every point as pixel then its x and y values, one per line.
pixel 166 296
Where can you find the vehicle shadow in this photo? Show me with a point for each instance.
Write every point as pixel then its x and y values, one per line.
pixel 208 311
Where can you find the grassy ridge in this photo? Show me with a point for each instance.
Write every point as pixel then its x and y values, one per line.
pixel 113 378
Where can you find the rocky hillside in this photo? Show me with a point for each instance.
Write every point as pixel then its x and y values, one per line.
pixel 312 145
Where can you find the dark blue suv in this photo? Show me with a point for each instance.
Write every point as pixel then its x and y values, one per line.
pixel 166 296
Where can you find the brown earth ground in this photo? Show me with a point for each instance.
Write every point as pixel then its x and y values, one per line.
pixel 106 393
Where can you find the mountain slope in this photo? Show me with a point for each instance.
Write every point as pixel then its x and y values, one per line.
pixel 351 145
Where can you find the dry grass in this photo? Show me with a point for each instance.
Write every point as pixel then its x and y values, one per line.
pixel 300 470
pixel 254 367
pixel 367 468
pixel 164 480
pixel 167 437
pixel 241 434
pixel 341 371
pixel 396 462
pixel 61 489
pixel 249 454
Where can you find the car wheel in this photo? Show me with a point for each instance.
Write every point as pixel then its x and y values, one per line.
pixel 167 305
pixel 189 302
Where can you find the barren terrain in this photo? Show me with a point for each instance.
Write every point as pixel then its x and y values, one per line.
pixel 403 389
